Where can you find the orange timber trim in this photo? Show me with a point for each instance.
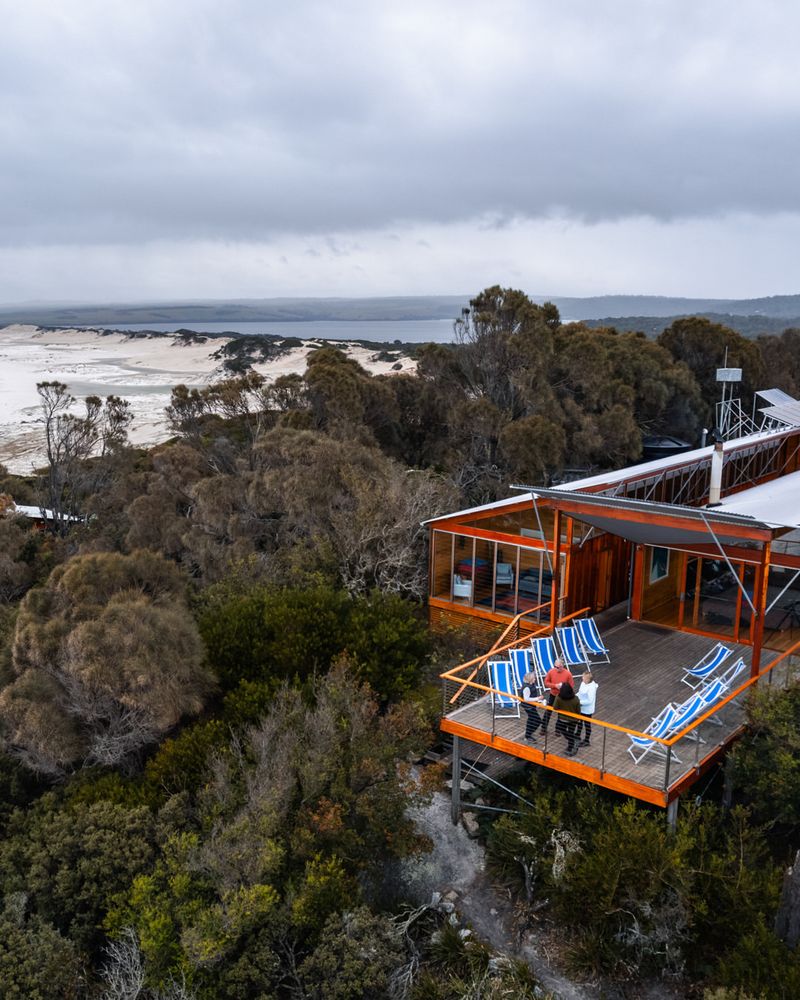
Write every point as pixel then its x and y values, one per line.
pixel 571 767
pixel 702 766
pixel 618 784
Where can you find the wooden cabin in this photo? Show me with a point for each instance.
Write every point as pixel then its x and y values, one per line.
pixel 665 574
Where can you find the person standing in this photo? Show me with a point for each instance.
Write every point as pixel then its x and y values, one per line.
pixel 567 701
pixel 553 679
pixel 587 696
pixel 529 701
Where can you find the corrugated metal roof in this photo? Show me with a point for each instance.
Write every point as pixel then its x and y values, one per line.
pixel 775 396
pixel 776 512
pixel 646 469
pixel 783 413
pixel 776 502
pixel 690 525
pixel 496 505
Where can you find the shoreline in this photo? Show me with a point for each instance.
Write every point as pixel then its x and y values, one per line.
pixel 140 368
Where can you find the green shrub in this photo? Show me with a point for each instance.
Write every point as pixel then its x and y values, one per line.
pixel 759 965
pixel 75 862
pixel 635 898
pixel 268 635
pixel 36 962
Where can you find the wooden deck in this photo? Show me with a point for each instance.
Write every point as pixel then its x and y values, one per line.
pixel 647 664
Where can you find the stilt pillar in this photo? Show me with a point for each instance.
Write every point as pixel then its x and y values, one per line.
pixel 672 815
pixel 727 788
pixel 455 802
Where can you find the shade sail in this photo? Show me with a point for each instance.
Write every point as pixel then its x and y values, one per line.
pixel 651 523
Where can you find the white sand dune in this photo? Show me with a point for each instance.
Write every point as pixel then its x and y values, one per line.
pixel 141 370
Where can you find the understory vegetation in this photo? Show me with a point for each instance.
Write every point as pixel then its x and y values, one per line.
pixel 217 683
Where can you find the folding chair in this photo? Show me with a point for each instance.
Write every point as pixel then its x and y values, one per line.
pixel 593 645
pixel 711 693
pixel 720 686
pixel 729 676
pixel 520 665
pixel 523 663
pixel 685 715
pixel 659 727
pixel 702 671
pixel 503 689
pixel 571 649
pixel 544 652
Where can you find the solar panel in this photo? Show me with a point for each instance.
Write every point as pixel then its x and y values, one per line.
pixel 784 413
pixel 775 396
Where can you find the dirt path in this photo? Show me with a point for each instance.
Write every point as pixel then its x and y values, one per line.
pixel 456 867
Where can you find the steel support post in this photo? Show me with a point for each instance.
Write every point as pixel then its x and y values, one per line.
pixel 672 815
pixel 727 788
pixel 455 803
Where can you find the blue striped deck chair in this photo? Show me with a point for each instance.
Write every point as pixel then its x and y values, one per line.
pixel 711 693
pixel 593 645
pixel 544 652
pixel 660 727
pixel 520 665
pixel 730 675
pixel 503 689
pixel 523 664
pixel 571 649
pixel 703 670
pixel 686 713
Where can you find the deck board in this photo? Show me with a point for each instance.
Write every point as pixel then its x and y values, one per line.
pixel 647 664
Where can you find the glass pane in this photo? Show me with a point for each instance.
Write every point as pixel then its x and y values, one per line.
pixel 465 569
pixel 719 593
pixel 692 598
pixel 484 575
pixel 782 621
pixel 525 523
pixel 534 579
pixel 748 577
pixel 442 565
pixel 505 587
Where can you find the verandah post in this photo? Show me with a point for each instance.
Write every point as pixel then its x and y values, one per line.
pixel 760 597
pixel 555 583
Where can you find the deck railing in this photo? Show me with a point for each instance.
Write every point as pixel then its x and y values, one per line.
pixel 670 756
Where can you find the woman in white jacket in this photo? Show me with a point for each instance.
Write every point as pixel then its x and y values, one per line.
pixel 587 696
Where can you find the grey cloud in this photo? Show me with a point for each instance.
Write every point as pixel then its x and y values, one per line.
pixel 195 120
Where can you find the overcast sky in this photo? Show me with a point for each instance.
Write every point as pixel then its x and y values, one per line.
pixel 194 148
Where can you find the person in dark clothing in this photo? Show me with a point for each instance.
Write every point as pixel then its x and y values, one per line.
pixel 529 700
pixel 566 701
pixel 553 679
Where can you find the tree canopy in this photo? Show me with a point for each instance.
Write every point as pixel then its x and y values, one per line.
pixel 106 659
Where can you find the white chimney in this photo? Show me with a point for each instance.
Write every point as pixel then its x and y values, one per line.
pixel 715 486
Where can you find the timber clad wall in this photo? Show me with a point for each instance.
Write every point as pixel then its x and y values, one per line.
pixel 598 573
pixel 484 631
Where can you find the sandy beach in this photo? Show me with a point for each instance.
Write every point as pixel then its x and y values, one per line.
pixel 140 370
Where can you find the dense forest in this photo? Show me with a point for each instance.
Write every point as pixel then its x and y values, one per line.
pixel 217 686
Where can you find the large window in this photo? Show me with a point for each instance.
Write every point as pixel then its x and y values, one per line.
pixel 698 592
pixel 782 620
pixel 496 576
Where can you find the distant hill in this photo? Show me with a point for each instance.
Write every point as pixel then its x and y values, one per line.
pixel 636 306
pixel 750 316
pixel 748 326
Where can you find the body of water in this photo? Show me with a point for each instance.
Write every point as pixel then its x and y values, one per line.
pixel 408 331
